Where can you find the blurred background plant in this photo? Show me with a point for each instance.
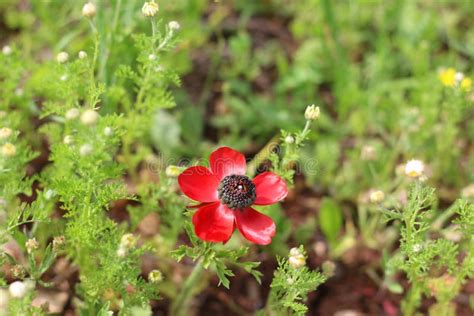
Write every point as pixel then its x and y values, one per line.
pixel 392 80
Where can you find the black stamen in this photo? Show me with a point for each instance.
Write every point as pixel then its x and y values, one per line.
pixel 237 192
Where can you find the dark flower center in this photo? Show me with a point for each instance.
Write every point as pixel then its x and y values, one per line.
pixel 237 191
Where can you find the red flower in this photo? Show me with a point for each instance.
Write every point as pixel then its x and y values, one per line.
pixel 226 197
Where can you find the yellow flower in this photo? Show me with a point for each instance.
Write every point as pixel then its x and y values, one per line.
pixel 466 84
pixel 8 150
pixel 447 77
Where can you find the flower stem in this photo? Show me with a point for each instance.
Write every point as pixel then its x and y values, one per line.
pixel 263 154
pixel 180 304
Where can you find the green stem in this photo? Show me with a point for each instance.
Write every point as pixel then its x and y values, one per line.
pixel 180 304
pixel 263 154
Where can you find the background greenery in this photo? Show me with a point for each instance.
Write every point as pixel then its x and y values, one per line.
pixel 235 74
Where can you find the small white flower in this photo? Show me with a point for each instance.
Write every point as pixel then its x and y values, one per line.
pixel 296 258
pixel 414 168
pixel 63 78
pixel 82 54
pixel 89 117
pixel 458 77
pixel 128 241
pixel 376 196
pixel 31 244
pixel 368 153
pixel 89 10
pixel 150 9
pixel 8 150
pixel 174 25
pixel 5 132
pixel 152 57
pixel 121 252
pixel 72 114
pixel 312 112
pixel 6 50
pixel 172 171
pixel 85 149
pixel 108 131
pixel 62 57
pixel 19 92
pixel 289 139
pixel 417 248
pixel 155 276
pixel 18 289
pixel 68 140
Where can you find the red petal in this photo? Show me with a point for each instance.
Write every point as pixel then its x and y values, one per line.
pixel 199 184
pixel 225 161
pixel 214 222
pixel 255 226
pixel 270 188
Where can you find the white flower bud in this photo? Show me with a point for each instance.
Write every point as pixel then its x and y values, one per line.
pixel 458 77
pixel 18 289
pixel 108 131
pixel 49 194
pixel 19 92
pixel 72 114
pixel 63 78
pixel 368 153
pixel 376 196
pixel 68 140
pixel 414 168
pixel 152 57
pixel 8 150
pixel 85 149
pixel 6 50
pixel 417 248
pixel 128 241
pixel 172 171
pixel 82 54
pixel 89 117
pixel 31 244
pixel 312 112
pixel 121 252
pixel 89 10
pixel 289 139
pixel 62 57
pixel 174 25
pixel 296 258
pixel 150 9
pixel 5 132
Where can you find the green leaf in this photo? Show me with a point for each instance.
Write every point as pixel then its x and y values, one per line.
pixel 394 287
pixel 48 260
pixel 330 218
pixel 165 132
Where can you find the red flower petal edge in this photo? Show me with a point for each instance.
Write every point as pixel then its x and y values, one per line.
pixel 270 188
pixel 214 220
pixel 199 184
pixel 225 161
